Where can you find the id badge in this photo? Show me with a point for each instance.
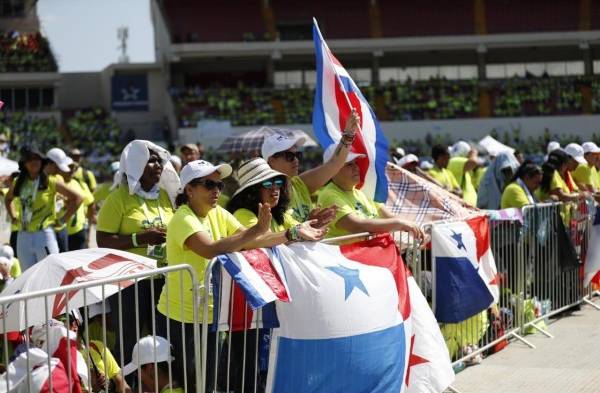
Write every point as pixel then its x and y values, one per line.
pixel 156 251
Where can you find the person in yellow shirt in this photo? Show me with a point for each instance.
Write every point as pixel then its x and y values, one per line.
pixel 37 193
pixel 462 164
pixel 200 230
pixel 520 191
pixel 261 184
pixel 445 178
pixel 586 175
pixel 134 218
pixel 553 185
pixel 357 213
pixel 76 230
pixel 282 154
pixel 81 174
pixel 58 163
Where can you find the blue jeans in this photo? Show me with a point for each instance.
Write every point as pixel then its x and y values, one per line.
pixel 62 238
pixel 34 246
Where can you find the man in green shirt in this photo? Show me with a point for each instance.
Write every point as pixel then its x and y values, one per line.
pixel 281 152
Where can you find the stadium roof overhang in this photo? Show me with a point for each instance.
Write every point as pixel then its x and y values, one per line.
pixel 477 43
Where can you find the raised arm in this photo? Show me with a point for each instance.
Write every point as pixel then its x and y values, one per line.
pixel 319 176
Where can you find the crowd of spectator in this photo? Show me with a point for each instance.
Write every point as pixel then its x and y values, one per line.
pixel 25 52
pixel 92 129
pixel 437 98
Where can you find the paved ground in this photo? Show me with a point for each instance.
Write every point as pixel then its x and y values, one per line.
pixel 570 362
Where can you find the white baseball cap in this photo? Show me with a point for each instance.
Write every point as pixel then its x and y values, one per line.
pixel 576 152
pixel 328 153
pixel 277 143
pixel 96 309
pixel 7 251
pixel 7 262
pixel 59 157
pixel 460 149
pixel 148 350
pixel 114 166
pixel 552 145
pixel 407 159
pixel 590 147
pixel 400 151
pixel 200 168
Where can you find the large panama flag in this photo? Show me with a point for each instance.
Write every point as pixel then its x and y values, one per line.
pixel 351 318
pixel 336 95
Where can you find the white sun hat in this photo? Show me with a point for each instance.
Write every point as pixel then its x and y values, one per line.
pixel 254 172
pixel 576 152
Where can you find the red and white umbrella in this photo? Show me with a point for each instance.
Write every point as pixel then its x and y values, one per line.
pixel 67 268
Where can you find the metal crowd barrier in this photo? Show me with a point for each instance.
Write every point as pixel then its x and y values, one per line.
pixel 97 335
pixel 540 276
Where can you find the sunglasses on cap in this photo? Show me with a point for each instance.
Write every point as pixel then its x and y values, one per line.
pixel 268 184
pixel 289 156
pixel 210 184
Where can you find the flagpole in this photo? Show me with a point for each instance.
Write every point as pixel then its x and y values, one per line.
pixel 337 76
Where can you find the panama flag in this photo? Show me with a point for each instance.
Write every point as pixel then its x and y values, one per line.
pixel 592 259
pixel 465 275
pixel 349 324
pixel 336 95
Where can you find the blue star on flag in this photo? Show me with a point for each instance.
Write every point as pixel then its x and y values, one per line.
pixel 351 279
pixel 458 239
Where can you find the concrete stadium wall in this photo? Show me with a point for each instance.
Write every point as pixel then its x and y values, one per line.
pixel 212 133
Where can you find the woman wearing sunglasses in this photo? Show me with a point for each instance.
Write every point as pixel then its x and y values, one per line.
pixel 199 231
pixel 282 155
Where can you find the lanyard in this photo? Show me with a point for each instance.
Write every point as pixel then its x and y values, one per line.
pixel 524 187
pixel 28 206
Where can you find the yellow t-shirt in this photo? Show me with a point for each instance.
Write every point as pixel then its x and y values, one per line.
pixel 456 166
pixel 300 202
pixel 102 192
pixel 514 196
pixel 42 208
pixel 125 214
pixel 249 219
pixel 444 177
pixel 110 368
pixel 95 332
pixel 87 177
pixel 556 183
pixel 77 221
pixel 586 174
pixel 477 176
pixel 218 224
pixel 348 202
pixel 174 390
pixel 15 270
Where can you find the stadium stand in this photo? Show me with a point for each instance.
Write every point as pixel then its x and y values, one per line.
pixel 25 52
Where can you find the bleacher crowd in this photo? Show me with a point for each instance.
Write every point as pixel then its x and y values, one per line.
pixel 437 98
pixel 213 208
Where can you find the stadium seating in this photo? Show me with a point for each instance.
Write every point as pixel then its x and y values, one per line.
pixel 25 52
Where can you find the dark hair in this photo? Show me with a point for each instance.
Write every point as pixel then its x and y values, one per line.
pixel 27 155
pixel 438 151
pixel 527 169
pixel 250 198
pixel 182 198
pixel 556 159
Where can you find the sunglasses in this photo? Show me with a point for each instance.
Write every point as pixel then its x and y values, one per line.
pixel 289 156
pixel 210 184
pixel 268 184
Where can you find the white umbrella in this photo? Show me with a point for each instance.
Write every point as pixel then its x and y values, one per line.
pixel 495 147
pixel 251 142
pixel 57 270
pixel 8 167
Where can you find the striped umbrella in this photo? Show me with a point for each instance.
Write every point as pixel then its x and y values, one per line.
pixel 249 143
